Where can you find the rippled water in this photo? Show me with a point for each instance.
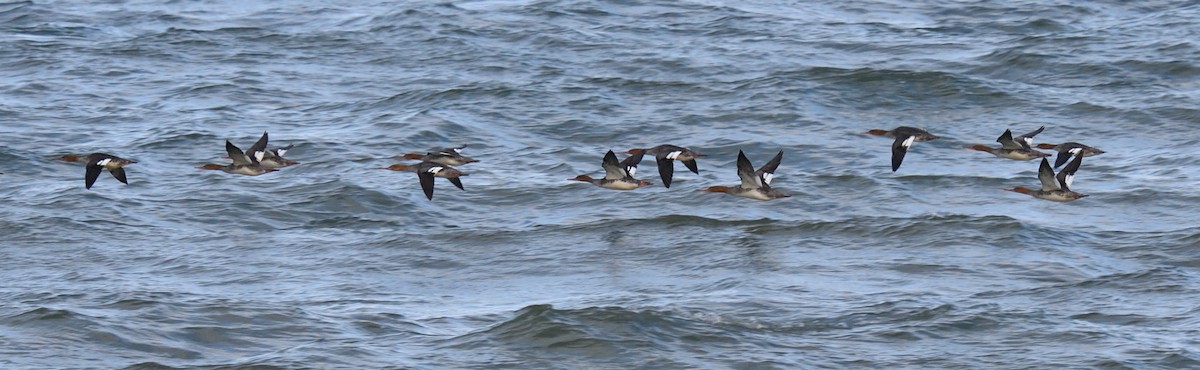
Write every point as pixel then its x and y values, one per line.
pixel 336 263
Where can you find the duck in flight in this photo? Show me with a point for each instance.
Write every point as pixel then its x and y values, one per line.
pixel 905 137
pixel 756 184
pixel 617 175
pixel 665 156
pixel 1055 188
pixel 1067 149
pixel 269 158
pixel 1018 148
pixel 242 164
pixel 426 171
pixel 98 162
pixel 446 156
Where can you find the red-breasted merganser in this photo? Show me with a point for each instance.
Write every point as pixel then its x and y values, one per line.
pixel 98 162
pixel 617 175
pixel 446 156
pixel 755 184
pixel 242 164
pixel 269 158
pixel 1067 149
pixel 1055 188
pixel 426 171
pixel 905 137
pixel 665 155
pixel 76 158
pixel 1018 148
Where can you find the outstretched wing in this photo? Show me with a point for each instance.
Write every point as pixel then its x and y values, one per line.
pixel 691 166
pixel 119 173
pixel 899 148
pixel 1046 176
pixel 612 168
pixel 93 170
pixel 1026 140
pixel 426 178
pixel 629 165
pixel 1006 141
pixel 258 151
pixel 1067 175
pixel 767 171
pixel 745 170
pixel 236 154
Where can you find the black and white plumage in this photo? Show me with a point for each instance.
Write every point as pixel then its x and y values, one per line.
pixel 269 158
pixel 665 156
pixel 98 162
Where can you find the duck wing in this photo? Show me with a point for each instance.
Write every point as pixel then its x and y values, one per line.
pixel 258 151
pixel 1006 141
pixel 745 171
pixel 1067 175
pixel 236 154
pixel 612 168
pixel 1046 176
pixel 899 148
pixel 1026 140
pixel 93 169
pixel 629 165
pixel 767 172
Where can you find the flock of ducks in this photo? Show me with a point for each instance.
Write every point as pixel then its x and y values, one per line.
pixel 1021 148
pixel 619 174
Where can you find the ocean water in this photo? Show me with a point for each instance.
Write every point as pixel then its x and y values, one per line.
pixel 337 263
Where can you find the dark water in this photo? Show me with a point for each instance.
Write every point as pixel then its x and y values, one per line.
pixel 337 264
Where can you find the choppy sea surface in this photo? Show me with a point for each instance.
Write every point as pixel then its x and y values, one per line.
pixel 336 263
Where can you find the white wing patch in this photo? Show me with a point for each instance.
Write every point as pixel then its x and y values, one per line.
pixel 258 156
pixel 908 142
pixel 632 170
pixel 674 154
pixel 1075 151
pixel 767 177
pixel 1068 179
pixel 103 162
pixel 280 152
pixel 457 150
pixel 1028 141
pixel 435 170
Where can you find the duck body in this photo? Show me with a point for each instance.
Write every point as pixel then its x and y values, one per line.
pixel 1017 154
pixel 445 156
pixel 1018 148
